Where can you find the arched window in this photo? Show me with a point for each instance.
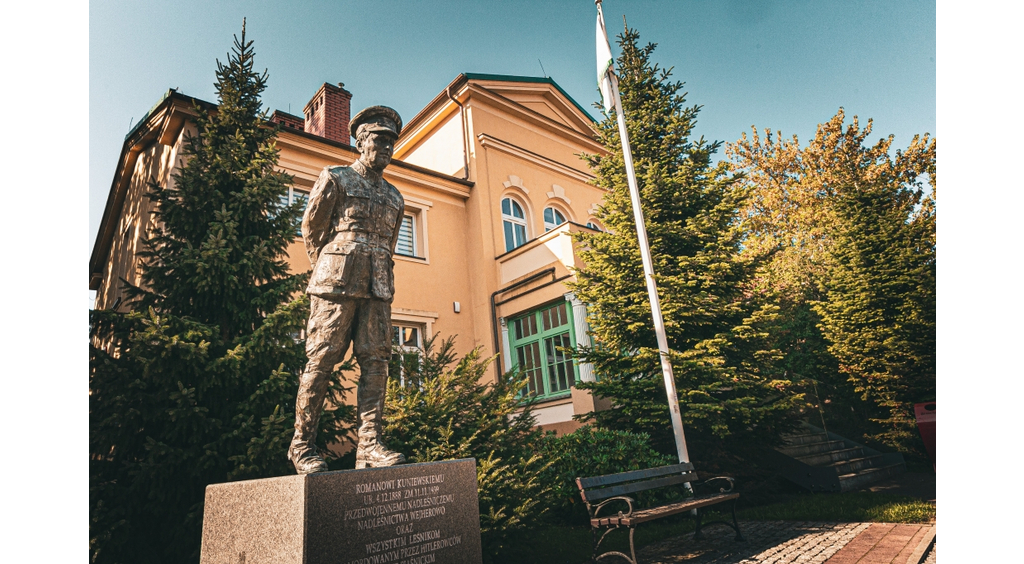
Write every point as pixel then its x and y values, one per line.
pixel 552 218
pixel 593 224
pixel 514 221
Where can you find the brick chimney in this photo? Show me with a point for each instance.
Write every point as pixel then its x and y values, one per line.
pixel 328 113
pixel 287 121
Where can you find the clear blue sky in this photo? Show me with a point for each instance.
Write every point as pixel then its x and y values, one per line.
pixel 787 65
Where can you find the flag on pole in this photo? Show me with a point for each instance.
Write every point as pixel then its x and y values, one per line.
pixel 604 63
pixel 610 93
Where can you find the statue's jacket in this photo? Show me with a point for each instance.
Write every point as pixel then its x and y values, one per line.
pixel 350 228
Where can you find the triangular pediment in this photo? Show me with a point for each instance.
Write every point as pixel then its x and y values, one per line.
pixel 540 95
pixel 432 132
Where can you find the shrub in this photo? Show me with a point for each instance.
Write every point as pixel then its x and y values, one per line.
pixel 592 452
pixel 440 410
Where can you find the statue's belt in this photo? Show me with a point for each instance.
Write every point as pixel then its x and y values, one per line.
pixel 352 241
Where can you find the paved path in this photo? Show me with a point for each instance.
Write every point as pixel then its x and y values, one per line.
pixel 885 543
pixel 785 542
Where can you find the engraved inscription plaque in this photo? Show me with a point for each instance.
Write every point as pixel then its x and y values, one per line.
pixel 407 514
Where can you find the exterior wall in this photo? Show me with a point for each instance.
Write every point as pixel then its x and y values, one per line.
pixel 443 150
pixel 426 286
pixel 526 150
pixel 156 162
pixel 523 143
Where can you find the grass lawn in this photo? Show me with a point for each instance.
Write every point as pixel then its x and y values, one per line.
pixel 564 544
pixel 850 507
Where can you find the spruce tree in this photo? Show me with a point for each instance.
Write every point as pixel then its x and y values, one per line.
pixel 717 332
pixel 196 383
pixel 849 232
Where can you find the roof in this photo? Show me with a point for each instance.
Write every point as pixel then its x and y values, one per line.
pixel 150 125
pixel 536 79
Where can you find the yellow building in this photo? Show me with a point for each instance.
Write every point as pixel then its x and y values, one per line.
pixel 493 187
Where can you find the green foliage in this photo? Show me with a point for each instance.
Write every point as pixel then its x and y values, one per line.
pixel 196 383
pixel 219 251
pixel 593 452
pixel 849 231
pixel 440 410
pixel 879 315
pixel 719 333
pixel 849 507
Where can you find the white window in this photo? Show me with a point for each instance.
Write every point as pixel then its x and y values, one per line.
pixel 294 195
pixel 514 221
pixel 552 219
pixel 594 225
pixel 406 350
pixel 407 236
pixel 413 243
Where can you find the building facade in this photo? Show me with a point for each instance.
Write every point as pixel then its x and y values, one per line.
pixel 493 187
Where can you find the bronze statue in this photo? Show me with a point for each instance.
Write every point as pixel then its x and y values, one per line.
pixel 350 229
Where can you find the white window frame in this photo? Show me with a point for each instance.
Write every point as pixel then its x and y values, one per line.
pixel 512 219
pixel 412 236
pixel 403 349
pixel 419 209
pixel 290 199
pixel 556 210
pixel 419 319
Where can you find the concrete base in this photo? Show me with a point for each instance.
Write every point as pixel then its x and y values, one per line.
pixel 411 514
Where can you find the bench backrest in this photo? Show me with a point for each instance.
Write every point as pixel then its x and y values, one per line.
pixel 624 483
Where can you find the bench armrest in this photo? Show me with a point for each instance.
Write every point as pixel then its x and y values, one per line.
pixel 721 489
pixel 628 500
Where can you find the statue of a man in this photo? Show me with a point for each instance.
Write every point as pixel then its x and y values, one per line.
pixel 350 229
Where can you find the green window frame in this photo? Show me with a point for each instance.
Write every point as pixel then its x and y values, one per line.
pixel 534 340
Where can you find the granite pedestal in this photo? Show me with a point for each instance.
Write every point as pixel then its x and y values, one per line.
pixel 406 514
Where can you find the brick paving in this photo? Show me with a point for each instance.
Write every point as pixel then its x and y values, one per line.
pixel 768 542
pixel 883 543
pixel 788 542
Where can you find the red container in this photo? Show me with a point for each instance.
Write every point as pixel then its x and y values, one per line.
pixel 925 415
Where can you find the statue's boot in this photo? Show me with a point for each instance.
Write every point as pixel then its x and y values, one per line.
pixel 308 405
pixel 371 451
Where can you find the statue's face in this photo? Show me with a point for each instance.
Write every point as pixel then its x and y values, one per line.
pixel 375 151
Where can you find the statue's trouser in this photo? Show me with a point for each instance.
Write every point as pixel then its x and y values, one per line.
pixel 333 325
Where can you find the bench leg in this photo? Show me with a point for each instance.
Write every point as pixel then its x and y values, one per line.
pixel 697 535
pixel 736 524
pixel 632 549
pixel 631 557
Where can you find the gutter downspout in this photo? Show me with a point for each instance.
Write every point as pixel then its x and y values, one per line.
pixel 465 132
pixel 494 304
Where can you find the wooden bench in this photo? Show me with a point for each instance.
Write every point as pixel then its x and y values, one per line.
pixel 600 491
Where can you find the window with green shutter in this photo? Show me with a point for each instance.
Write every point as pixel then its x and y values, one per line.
pixel 536 340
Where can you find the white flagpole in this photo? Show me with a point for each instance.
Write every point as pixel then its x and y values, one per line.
pixel 645 253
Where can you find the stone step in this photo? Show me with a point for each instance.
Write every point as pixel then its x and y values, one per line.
pixel 832 456
pixel 811 448
pixel 854 465
pixel 856 480
pixel 804 438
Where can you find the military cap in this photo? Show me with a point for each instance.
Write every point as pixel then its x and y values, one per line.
pixel 377 118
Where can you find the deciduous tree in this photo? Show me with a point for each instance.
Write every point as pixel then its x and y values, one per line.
pixel 850 232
